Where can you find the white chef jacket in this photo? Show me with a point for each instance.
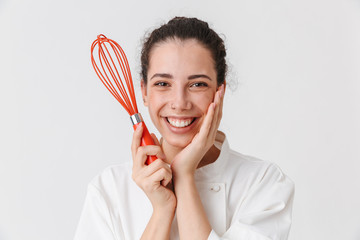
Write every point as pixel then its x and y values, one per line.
pixel 244 198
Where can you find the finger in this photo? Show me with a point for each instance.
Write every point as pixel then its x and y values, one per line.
pixel 156 141
pixel 156 166
pixel 150 150
pixel 136 140
pixel 170 186
pixel 209 127
pixel 222 94
pixel 166 182
pixel 143 174
pixel 212 120
pixel 162 176
pixel 205 127
pixel 213 127
pixel 218 112
pixel 158 171
pixel 217 107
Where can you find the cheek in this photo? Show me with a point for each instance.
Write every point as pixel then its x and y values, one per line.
pixel 204 100
pixel 155 101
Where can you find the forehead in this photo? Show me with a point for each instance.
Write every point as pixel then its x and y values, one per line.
pixel 176 53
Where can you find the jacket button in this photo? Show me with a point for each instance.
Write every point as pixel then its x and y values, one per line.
pixel 215 188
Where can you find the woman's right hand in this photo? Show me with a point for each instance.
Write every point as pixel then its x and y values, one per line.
pixel 153 178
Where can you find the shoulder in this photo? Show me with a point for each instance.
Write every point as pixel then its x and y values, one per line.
pixel 235 167
pixel 256 184
pixel 257 171
pixel 253 164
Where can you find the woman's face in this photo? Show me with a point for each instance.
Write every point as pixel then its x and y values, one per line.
pixel 181 85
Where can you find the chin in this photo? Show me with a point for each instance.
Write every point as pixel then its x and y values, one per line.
pixel 179 141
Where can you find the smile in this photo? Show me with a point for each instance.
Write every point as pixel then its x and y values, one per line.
pixel 180 122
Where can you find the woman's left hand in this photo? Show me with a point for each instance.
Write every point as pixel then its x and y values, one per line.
pixel 186 162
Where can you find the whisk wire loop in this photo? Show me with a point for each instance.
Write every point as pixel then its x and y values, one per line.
pixel 126 72
pixel 104 79
pixel 107 79
pixel 109 74
pixel 120 85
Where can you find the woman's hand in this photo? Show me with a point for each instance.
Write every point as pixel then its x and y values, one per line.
pixel 186 162
pixel 153 178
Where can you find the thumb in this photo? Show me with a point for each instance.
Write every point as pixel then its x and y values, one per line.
pixel 156 141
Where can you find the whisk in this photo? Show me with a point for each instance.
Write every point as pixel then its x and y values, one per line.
pixel 110 59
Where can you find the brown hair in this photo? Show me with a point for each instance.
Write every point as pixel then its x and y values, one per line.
pixel 187 28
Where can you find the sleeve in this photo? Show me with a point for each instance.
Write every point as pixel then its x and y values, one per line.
pixel 265 213
pixel 96 220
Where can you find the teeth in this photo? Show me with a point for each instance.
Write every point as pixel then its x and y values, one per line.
pixel 179 123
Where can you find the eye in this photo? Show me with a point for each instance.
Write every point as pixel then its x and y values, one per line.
pixel 162 84
pixel 199 84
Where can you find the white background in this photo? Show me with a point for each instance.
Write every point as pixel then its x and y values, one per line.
pixel 296 64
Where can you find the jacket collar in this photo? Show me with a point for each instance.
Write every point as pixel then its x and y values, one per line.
pixel 213 171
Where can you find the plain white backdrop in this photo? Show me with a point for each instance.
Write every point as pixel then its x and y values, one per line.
pixel 295 103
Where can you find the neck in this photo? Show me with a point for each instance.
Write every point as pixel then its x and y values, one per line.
pixel 210 156
pixel 170 152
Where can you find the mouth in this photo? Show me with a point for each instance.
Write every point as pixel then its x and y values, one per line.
pixel 180 122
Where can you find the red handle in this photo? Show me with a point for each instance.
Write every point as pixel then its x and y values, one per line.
pixel 146 140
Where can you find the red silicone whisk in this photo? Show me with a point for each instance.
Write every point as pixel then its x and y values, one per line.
pixel 110 58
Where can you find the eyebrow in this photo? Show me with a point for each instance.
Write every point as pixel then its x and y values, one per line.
pixel 191 77
pixel 162 75
pixel 198 76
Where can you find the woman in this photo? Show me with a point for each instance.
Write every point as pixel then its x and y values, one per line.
pixel 197 188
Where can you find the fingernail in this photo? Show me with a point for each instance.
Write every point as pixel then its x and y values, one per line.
pixel 213 105
pixel 222 90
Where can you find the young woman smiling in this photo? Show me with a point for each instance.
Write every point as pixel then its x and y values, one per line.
pixel 197 188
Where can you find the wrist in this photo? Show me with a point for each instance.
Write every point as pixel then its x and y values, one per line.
pixel 183 180
pixel 183 173
pixel 183 177
pixel 164 213
pixel 159 225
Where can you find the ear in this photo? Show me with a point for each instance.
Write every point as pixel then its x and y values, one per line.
pixel 144 92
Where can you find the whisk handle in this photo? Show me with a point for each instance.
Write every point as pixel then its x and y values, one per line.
pixel 146 137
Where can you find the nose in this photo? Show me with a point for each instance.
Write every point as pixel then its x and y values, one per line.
pixel 180 100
